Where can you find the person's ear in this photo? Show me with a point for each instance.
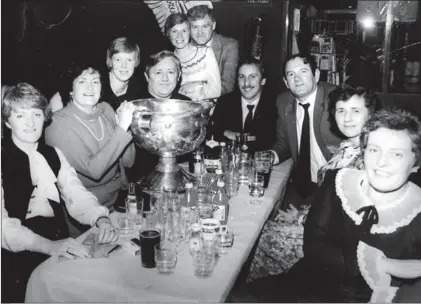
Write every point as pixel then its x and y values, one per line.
pixel 286 83
pixel 263 82
pixel 317 75
pixel 8 125
pixel 415 169
pixel 146 77
pixel 213 25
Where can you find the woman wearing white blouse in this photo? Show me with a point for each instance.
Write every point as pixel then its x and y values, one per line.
pixel 37 183
pixel 200 72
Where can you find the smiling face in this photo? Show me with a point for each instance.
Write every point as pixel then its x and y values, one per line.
pixel 86 89
pixel 179 35
pixel 350 117
pixel 26 125
pixel 202 30
pixel 388 159
pixel 299 78
pixel 162 78
pixel 123 65
pixel 250 82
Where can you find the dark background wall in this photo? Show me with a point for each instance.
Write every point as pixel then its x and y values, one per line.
pixel 33 52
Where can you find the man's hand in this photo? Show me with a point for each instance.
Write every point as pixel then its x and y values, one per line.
pixel 229 134
pixel 288 216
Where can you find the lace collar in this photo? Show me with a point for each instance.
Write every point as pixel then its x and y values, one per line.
pixel 391 217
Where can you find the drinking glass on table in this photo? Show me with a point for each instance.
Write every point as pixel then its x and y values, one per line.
pixel 149 237
pixel 204 207
pixel 176 229
pixel 165 257
pixel 263 161
pixel 256 188
pixel 231 182
pixel 203 263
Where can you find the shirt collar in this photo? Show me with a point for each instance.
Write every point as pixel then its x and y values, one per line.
pixel 245 103
pixel 209 43
pixel 311 99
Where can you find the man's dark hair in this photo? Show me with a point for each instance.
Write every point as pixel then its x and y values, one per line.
pixel 252 61
pixel 307 58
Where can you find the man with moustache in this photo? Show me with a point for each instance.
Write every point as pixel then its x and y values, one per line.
pixel 202 27
pixel 302 129
pixel 247 110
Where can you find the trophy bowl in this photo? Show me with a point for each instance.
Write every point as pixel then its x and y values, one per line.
pixel 169 128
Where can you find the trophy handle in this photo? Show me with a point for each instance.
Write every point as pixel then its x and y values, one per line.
pixel 143 119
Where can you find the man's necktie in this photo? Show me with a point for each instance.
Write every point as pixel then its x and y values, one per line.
pixel 249 120
pixel 302 171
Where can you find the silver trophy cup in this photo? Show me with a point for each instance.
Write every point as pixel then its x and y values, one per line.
pixel 169 128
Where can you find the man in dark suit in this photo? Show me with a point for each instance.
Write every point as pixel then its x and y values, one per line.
pixel 302 130
pixel 202 27
pixel 249 109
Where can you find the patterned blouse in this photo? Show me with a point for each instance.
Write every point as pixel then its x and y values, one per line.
pixel 345 156
pixel 202 67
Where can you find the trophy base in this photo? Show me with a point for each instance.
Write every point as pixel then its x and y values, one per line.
pixel 166 174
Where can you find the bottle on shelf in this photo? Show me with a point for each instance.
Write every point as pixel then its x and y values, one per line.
pixel 220 204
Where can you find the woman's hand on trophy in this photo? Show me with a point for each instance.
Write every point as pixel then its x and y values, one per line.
pixel 124 115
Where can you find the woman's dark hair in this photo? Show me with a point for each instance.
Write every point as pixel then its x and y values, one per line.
pixel 174 19
pixel 397 119
pixel 371 102
pixel 75 70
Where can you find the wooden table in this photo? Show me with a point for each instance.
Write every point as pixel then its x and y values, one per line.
pixel 121 277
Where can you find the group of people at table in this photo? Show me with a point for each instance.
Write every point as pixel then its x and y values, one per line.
pixel 352 164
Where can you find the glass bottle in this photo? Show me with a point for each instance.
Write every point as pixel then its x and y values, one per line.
pixel 220 204
pixel 224 157
pixel 211 156
pixel 188 203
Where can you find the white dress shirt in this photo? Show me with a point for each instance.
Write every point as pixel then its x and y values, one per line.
pixel 316 156
pixel 244 104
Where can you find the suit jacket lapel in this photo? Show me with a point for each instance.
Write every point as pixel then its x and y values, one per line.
pixel 237 113
pixel 217 48
pixel 317 115
pixel 292 125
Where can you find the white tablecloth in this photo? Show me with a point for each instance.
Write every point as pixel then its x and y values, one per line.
pixel 121 277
